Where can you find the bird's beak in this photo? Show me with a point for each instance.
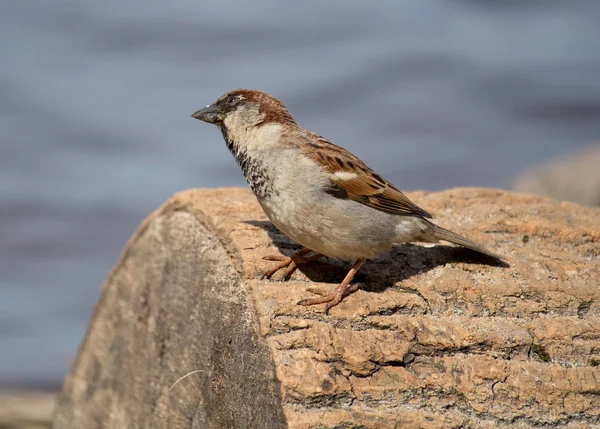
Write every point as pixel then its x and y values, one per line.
pixel 211 114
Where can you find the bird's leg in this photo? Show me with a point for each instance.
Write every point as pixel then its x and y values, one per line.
pixel 343 289
pixel 289 262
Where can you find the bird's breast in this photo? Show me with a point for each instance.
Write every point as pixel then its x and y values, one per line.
pixel 258 176
pixel 256 170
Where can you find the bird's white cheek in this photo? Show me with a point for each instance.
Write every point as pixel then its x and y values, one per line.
pixel 264 137
pixel 252 138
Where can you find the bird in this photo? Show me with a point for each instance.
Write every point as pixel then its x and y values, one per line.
pixel 316 193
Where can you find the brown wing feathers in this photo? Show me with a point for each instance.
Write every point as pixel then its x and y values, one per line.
pixel 360 182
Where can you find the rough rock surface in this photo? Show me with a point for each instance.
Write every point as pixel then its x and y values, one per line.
pixel 438 337
pixel 571 178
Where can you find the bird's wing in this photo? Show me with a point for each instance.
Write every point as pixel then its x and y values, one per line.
pixel 359 182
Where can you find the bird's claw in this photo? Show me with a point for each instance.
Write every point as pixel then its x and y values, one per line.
pixel 316 292
pixel 285 262
pixel 290 263
pixel 330 300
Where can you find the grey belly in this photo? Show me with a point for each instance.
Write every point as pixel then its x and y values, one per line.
pixel 334 227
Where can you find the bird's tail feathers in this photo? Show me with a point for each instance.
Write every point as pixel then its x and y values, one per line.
pixel 440 233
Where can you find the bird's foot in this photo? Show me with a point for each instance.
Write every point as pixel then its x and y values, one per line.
pixel 290 263
pixel 332 299
pixel 343 289
pixel 285 262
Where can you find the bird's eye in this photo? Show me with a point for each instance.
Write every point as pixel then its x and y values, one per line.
pixel 232 100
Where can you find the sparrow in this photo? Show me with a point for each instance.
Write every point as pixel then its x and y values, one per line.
pixel 317 193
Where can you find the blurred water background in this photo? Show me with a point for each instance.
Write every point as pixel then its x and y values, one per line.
pixel 96 97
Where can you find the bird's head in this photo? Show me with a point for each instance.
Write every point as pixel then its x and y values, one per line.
pixel 243 109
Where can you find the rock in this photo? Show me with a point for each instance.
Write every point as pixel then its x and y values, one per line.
pixel 26 409
pixel 573 178
pixel 185 336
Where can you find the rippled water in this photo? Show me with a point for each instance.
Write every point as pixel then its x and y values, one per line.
pixel 96 98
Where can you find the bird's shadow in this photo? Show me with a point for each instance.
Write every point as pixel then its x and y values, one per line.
pixel 401 263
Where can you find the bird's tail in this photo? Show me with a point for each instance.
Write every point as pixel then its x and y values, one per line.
pixel 440 233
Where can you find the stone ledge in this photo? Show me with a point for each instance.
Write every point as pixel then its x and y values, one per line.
pixel 435 338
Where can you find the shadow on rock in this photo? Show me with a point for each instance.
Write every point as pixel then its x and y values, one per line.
pixel 401 263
